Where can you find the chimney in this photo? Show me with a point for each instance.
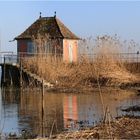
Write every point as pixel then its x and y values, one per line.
pixel 40 15
pixel 55 14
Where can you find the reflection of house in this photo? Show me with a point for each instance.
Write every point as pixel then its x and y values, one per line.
pixel 57 39
pixel 70 110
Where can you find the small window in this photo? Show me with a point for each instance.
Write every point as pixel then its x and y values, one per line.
pixel 30 48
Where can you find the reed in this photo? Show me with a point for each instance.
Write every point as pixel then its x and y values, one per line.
pixel 109 68
pixel 82 73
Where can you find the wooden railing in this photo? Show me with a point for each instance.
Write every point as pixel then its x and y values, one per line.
pixel 123 57
pixel 8 58
pixel 12 58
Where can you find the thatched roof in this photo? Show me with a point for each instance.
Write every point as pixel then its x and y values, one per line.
pixel 48 25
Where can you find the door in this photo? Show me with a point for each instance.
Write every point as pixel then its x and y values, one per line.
pixel 70 52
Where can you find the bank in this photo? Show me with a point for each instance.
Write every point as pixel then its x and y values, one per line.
pixel 120 128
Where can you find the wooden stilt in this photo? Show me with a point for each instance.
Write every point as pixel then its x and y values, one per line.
pixel 4 73
pixel 20 73
pixel 43 132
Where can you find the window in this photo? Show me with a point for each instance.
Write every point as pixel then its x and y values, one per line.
pixel 30 48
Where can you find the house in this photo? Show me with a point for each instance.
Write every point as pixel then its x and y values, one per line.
pixel 56 38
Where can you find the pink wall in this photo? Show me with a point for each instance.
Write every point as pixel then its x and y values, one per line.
pixel 70 48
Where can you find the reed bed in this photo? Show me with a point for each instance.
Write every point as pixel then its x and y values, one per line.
pixel 104 67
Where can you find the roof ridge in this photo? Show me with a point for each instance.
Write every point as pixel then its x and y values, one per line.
pixel 44 17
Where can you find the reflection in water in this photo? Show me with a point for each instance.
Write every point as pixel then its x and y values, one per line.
pixel 70 110
pixel 9 109
pixel 22 111
pixel 0 111
pixel 30 111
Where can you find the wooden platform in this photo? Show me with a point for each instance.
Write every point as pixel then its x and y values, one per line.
pixel 14 75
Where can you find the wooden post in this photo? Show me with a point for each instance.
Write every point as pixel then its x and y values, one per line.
pixel 55 53
pixel 20 73
pixel 4 72
pixel 10 75
pixel 137 60
pixel 43 134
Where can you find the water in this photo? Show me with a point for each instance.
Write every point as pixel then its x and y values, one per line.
pixel 22 111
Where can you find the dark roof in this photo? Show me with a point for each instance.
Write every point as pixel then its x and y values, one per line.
pixel 48 25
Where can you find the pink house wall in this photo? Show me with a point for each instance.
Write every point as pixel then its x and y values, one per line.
pixel 70 48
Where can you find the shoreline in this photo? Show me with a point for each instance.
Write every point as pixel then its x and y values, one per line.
pixel 126 127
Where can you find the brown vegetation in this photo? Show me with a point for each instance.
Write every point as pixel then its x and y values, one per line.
pixel 105 67
pixel 122 128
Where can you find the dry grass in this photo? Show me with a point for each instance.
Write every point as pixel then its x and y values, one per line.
pixel 122 128
pixel 83 73
pixel 105 66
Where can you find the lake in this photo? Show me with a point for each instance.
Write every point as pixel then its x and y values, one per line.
pixel 28 111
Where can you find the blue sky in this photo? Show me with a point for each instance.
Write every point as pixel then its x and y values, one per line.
pixel 84 18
